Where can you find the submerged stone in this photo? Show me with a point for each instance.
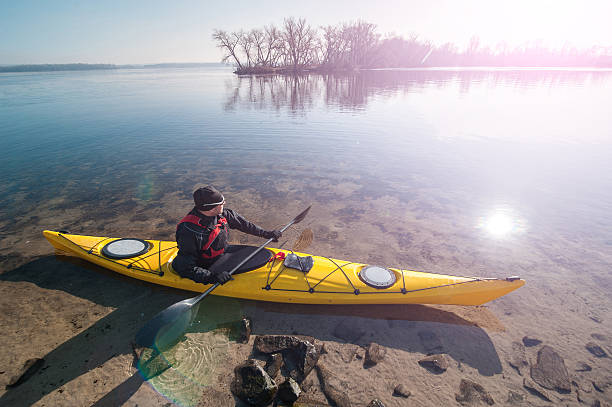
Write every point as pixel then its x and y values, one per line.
pixel 533 389
pixel 596 350
pixel 529 342
pixel 550 371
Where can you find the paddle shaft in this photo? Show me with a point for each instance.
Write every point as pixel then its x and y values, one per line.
pixel 232 271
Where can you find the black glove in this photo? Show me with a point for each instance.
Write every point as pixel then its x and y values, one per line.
pixel 273 234
pixel 202 275
pixel 223 277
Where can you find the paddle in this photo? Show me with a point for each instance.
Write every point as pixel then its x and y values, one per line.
pixel 170 324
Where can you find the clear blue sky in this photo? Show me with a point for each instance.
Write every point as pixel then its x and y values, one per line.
pixel 152 31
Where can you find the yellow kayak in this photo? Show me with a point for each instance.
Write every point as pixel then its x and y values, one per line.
pixel 328 281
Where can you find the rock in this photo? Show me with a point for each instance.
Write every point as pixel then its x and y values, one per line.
pixel 471 392
pixel 252 384
pixel 430 341
pixel 599 337
pixel 531 341
pixel 583 367
pixel 300 355
pixel 376 403
pixel 514 397
pixel 374 354
pixel 246 327
pixel 596 350
pixel 401 391
pixel 550 371
pixel 274 364
pixel 435 363
pixel 602 384
pixel 332 387
pixel 533 389
pixel 30 367
pixel 586 398
pixel 289 391
pixel 517 359
pixel 348 332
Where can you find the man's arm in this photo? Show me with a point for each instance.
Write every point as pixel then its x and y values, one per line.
pixel 237 221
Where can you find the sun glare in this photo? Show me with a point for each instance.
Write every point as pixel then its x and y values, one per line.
pixel 500 223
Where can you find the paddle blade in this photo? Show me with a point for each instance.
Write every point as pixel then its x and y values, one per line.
pixel 297 219
pixel 167 327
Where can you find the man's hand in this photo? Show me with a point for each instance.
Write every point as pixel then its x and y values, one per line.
pixel 223 277
pixel 273 234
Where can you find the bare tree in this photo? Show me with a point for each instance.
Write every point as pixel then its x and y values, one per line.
pixel 300 41
pixel 228 42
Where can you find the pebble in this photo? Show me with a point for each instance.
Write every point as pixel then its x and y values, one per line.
pixel 401 391
pixel 529 342
pixel 596 350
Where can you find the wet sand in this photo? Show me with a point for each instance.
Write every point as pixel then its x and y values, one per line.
pixel 82 319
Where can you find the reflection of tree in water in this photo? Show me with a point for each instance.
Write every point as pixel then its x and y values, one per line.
pixel 300 93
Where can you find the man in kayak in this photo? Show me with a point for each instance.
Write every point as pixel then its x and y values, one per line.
pixel 203 235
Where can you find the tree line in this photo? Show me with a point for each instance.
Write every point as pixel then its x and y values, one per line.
pixel 297 46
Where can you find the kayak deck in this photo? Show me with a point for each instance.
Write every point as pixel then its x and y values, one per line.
pixel 330 281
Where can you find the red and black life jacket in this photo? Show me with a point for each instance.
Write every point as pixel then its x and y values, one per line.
pixel 213 247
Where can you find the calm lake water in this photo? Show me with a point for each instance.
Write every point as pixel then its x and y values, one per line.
pixel 518 150
pixel 468 172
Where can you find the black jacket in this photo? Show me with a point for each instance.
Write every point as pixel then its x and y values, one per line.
pixel 190 239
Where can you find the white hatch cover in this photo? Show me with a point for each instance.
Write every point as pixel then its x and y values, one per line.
pixel 377 276
pixel 125 248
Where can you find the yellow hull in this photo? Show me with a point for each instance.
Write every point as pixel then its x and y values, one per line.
pixel 330 281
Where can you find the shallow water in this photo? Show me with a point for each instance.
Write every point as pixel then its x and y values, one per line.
pixel 469 172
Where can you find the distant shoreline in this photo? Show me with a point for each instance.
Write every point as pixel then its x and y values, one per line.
pixel 91 67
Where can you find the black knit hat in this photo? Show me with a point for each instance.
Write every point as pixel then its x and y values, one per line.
pixel 207 198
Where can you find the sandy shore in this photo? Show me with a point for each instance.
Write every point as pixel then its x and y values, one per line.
pixel 81 320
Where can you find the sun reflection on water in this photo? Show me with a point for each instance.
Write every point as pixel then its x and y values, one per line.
pixel 501 223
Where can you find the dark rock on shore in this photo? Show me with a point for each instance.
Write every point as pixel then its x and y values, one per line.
pixel 471 392
pixel 376 403
pixel 550 371
pixel 529 342
pixel 30 367
pixel 374 354
pixel 401 391
pixel 274 364
pixel 289 391
pixel 437 364
pixel 300 355
pixel 246 327
pixel 596 350
pixel 533 389
pixel 252 384
pixel 332 387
